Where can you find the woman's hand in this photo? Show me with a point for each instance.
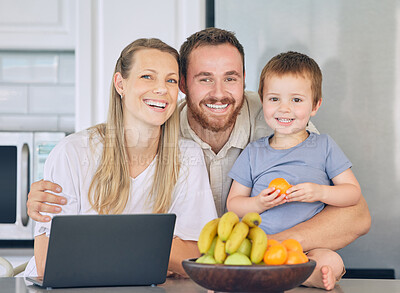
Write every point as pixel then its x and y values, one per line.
pixel 38 199
pixel 181 250
pixel 40 251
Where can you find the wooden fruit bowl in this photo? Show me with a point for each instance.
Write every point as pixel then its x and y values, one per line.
pixel 253 278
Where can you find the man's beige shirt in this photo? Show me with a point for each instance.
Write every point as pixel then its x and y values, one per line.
pixel 250 126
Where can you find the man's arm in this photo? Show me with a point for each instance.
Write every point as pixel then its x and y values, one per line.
pixel 38 196
pixel 333 227
pixel 181 250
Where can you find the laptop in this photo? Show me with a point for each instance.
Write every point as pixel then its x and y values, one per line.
pixel 108 250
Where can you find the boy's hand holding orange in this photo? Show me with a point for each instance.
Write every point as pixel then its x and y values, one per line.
pixel 267 199
pixel 306 192
pixel 281 184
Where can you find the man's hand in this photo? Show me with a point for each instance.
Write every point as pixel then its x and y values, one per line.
pixel 38 197
pixel 318 232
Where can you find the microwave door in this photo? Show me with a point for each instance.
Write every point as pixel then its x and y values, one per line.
pixel 8 183
pixel 15 178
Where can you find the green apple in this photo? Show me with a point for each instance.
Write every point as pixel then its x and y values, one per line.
pixel 245 247
pixel 237 258
pixel 208 259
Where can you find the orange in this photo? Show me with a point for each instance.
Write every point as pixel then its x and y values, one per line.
pixel 275 255
pixel 272 242
pixel 281 184
pixel 296 257
pixel 292 245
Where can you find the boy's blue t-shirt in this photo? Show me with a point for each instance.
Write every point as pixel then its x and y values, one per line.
pixel 318 159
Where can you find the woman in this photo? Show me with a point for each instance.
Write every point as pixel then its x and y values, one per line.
pixel 134 162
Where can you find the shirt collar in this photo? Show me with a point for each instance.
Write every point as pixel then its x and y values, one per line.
pixel 185 129
pixel 241 131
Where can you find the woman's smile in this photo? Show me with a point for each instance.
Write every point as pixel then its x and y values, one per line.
pixel 157 105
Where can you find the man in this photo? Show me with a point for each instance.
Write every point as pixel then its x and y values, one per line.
pixel 222 119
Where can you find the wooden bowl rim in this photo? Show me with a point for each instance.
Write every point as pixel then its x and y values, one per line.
pixel 192 262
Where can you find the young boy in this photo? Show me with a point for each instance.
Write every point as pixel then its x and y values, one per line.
pixel 319 172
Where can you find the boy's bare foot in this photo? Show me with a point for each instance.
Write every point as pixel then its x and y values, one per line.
pixel 328 278
pixel 324 278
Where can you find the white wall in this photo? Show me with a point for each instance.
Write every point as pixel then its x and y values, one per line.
pixel 105 27
pixel 357 45
pixel 37 90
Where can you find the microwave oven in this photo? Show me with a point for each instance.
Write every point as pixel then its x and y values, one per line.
pixel 22 158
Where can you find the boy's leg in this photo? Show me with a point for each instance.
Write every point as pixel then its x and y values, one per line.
pixel 328 271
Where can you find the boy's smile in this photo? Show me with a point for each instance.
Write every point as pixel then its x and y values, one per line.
pixel 284 121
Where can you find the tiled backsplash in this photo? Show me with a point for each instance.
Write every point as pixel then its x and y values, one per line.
pixel 37 91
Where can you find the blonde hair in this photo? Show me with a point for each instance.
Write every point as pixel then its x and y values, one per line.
pixel 110 187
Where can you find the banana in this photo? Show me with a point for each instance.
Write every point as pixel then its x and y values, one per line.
pixel 259 244
pixel 239 233
pixel 226 223
pixel 210 251
pixel 252 219
pixel 207 235
pixel 219 251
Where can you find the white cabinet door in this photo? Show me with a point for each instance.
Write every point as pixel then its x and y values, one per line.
pixel 106 27
pixel 37 24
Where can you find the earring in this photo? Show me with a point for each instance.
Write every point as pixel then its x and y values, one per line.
pixel 120 96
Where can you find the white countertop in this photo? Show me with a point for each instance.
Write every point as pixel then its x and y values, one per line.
pixel 18 285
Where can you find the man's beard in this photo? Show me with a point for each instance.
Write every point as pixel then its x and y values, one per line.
pixel 208 123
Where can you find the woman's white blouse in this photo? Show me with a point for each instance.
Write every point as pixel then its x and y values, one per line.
pixel 73 162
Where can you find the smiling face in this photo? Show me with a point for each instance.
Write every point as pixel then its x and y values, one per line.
pixel 214 86
pixel 288 103
pixel 150 92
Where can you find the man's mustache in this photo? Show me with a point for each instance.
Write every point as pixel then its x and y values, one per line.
pixel 213 100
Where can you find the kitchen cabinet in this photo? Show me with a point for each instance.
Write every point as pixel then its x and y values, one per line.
pixel 106 27
pixel 96 31
pixel 38 24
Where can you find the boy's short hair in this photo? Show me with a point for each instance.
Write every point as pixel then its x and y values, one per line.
pixel 208 37
pixel 297 64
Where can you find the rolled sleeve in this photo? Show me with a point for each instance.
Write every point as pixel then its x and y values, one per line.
pixel 59 168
